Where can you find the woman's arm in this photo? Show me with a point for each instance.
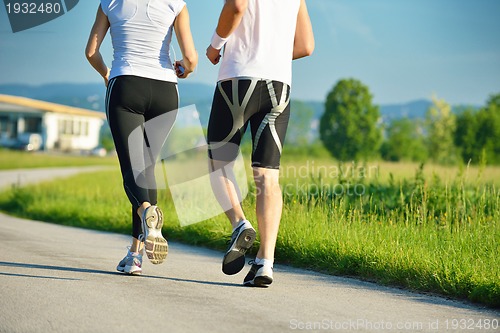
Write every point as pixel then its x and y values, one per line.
pixel 186 44
pixel 97 34
pixel 229 20
pixel 304 37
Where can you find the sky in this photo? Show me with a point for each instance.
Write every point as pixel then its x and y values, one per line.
pixel 402 50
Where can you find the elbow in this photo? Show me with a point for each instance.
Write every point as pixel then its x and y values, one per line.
pixel 304 51
pixel 308 48
pixel 89 54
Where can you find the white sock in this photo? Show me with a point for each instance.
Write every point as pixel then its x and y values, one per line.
pixel 240 224
pixel 265 262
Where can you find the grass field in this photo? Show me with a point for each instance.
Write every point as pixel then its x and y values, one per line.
pixel 432 229
pixel 17 159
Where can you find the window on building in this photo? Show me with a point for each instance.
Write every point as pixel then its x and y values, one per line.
pixel 77 127
pixel 73 127
pixel 68 127
pixel 85 128
pixel 33 125
pixel 4 124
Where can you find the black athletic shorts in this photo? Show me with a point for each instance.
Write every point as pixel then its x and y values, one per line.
pixel 265 104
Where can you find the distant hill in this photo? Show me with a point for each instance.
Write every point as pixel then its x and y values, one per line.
pixel 412 110
pixel 91 96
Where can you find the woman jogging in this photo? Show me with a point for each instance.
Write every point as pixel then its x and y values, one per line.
pixel 260 40
pixel 141 86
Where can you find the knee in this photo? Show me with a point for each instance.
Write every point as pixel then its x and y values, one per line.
pixel 266 178
pixel 129 176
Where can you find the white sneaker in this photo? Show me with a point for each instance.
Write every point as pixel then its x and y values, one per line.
pixel 259 276
pixel 155 244
pixel 131 264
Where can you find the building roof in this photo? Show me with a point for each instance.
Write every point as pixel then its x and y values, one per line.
pixel 21 103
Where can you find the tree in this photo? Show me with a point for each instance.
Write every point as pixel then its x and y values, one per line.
pixel 488 133
pixel 348 128
pixel 478 133
pixel 466 135
pixel 441 124
pixel 405 141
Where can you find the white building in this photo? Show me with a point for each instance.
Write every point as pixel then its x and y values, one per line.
pixel 28 123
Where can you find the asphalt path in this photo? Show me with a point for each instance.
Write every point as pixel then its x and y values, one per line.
pixel 22 177
pixel 61 279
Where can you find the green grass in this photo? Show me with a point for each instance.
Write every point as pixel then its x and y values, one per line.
pixel 19 160
pixel 417 230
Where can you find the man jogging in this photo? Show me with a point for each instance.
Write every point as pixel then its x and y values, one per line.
pixel 260 39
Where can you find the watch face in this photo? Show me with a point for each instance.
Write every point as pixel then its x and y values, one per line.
pixel 26 14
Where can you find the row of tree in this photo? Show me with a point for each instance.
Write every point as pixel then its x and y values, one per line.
pixel 351 129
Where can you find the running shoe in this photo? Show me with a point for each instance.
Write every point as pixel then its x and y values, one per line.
pixel 155 244
pixel 131 264
pixel 123 262
pixel 259 276
pixel 241 240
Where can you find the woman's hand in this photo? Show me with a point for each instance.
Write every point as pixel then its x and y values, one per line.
pixel 181 70
pixel 106 77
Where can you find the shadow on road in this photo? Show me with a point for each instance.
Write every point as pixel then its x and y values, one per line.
pixel 95 271
pixel 225 284
pixel 56 268
pixel 38 276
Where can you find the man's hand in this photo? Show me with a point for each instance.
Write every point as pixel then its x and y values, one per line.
pixel 213 55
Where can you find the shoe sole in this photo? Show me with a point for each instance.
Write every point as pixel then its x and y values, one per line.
pixel 259 281
pixel 155 244
pixel 234 259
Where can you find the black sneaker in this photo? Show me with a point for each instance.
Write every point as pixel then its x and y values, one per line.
pixel 241 240
pixel 259 276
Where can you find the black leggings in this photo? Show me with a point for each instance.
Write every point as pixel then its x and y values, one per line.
pixel 265 104
pixel 132 101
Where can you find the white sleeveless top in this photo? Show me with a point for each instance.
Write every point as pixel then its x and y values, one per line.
pixel 262 45
pixel 141 32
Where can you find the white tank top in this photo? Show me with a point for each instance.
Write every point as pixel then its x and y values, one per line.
pixel 141 32
pixel 262 45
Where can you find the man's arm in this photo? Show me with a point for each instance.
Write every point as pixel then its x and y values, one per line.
pixel 229 20
pixel 304 37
